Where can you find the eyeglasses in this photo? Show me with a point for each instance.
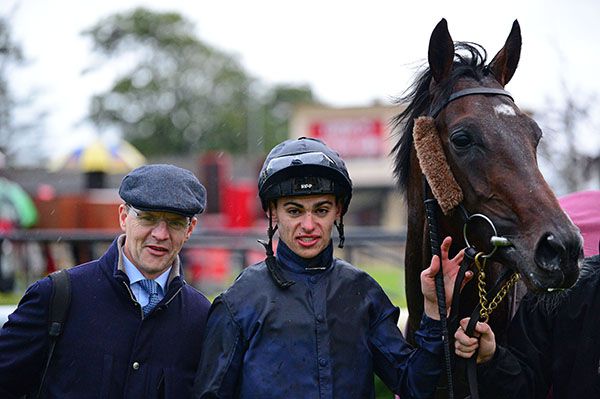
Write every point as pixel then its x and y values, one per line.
pixel 147 219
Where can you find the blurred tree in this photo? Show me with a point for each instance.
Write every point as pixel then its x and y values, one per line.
pixel 570 142
pixel 20 135
pixel 280 101
pixel 181 95
pixel 10 55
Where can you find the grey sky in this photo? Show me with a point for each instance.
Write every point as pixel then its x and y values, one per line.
pixel 350 52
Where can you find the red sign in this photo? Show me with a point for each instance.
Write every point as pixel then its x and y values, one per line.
pixel 352 138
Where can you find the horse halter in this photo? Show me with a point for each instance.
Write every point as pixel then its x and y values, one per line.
pixel 501 287
pixel 486 307
pixel 496 241
pixel 433 112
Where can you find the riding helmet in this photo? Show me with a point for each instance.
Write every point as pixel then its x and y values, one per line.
pixel 304 166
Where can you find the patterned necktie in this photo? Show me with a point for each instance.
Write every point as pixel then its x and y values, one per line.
pixel 151 287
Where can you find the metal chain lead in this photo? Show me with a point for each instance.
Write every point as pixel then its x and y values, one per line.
pixel 502 293
pixel 486 309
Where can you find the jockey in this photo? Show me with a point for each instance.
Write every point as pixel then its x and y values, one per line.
pixel 304 323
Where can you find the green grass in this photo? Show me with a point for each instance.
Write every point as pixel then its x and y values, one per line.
pixel 10 298
pixel 391 279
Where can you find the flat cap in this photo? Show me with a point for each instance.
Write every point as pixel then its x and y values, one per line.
pixel 163 187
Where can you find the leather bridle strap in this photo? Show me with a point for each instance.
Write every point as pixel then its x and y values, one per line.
pixel 468 92
pixel 468 260
pixel 431 209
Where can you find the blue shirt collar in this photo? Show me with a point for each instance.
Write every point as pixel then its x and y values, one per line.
pixel 135 275
pixel 291 261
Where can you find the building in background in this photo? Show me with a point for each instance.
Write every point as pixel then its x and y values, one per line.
pixel 78 219
pixel 363 137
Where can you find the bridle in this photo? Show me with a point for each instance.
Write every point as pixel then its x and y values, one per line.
pixel 434 111
pixel 488 301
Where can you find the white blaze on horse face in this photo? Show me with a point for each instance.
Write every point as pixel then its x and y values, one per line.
pixel 504 109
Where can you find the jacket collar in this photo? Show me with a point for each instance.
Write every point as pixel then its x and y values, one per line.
pixel 289 260
pixel 121 263
pixel 112 265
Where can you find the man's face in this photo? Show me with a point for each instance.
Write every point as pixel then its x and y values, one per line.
pixel 305 223
pixel 150 244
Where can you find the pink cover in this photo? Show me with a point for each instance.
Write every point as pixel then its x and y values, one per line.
pixel 583 207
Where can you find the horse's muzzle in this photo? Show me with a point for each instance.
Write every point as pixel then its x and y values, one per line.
pixel 558 257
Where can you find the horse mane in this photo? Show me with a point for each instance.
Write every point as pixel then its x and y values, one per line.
pixel 469 61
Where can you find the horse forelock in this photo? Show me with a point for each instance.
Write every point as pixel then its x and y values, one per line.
pixel 417 103
pixel 469 61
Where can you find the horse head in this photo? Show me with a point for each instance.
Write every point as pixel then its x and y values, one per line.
pixel 489 147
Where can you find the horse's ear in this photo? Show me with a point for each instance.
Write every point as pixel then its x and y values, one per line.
pixel 504 64
pixel 441 52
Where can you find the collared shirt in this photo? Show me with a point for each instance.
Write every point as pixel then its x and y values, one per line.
pixel 135 276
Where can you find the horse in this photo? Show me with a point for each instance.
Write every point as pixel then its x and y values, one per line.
pixel 488 146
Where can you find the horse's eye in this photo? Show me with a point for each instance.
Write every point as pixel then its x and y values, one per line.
pixel 461 140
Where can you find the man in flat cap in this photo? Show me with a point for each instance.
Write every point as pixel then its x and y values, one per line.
pixel 132 327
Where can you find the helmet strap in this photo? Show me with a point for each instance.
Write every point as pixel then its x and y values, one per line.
pixel 270 233
pixel 270 261
pixel 340 229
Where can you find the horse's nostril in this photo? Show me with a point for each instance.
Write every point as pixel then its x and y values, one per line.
pixel 549 253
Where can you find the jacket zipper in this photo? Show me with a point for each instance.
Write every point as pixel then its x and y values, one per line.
pixel 135 302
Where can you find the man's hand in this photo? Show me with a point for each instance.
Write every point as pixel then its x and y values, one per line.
pixel 450 267
pixel 484 339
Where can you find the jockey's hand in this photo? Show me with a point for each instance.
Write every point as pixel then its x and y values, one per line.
pixel 483 339
pixel 450 267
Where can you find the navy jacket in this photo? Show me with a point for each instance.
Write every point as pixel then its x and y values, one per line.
pixel 551 347
pixel 107 349
pixel 323 337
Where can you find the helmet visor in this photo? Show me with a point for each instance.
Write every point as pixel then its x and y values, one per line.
pixel 307 158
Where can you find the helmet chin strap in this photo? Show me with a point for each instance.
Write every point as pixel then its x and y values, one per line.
pixel 340 229
pixel 271 232
pixel 270 260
